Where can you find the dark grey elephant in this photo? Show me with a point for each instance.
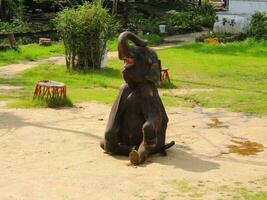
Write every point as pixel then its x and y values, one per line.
pixel 138 121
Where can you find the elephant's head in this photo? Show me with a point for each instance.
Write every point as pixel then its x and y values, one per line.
pixel 141 63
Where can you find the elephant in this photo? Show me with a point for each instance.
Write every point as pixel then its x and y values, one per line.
pixel 137 122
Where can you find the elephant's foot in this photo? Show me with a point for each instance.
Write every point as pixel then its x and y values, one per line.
pixel 134 157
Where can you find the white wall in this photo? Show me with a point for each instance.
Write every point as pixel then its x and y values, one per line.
pixel 247 6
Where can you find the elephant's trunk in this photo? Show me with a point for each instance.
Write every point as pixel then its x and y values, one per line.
pixel 123 46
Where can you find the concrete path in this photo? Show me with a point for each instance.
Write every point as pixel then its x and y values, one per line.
pixel 188 37
pixel 14 69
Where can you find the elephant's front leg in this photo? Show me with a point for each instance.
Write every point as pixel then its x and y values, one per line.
pixel 149 143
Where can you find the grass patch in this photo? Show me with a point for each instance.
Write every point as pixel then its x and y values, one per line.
pixel 187 189
pixel 30 52
pixel 152 39
pixel 28 102
pixel 236 73
pixel 99 86
pixel 244 194
pixel 184 187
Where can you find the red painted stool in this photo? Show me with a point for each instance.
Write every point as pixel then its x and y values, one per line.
pixel 165 75
pixel 50 89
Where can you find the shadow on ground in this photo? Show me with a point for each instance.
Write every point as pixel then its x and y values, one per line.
pixel 12 122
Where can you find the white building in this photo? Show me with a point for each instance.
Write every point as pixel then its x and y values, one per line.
pixel 236 18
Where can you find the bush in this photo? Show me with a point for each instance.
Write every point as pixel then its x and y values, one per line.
pixel 85 32
pixel 176 5
pixel 181 22
pixel 200 16
pixel 153 39
pixel 53 102
pixel 205 15
pixel 223 37
pixel 16 25
pixel 258 26
pixel 138 21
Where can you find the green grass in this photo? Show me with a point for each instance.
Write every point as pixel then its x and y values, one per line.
pixel 237 73
pixel 152 39
pixel 30 52
pixel 186 189
pixel 34 52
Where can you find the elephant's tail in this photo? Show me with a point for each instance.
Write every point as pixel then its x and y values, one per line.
pixel 167 146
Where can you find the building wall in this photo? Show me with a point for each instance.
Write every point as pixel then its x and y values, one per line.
pixel 247 6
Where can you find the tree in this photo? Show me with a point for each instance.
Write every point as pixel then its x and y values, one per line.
pixel 11 19
pixel 8 9
pixel 125 12
pixel 85 32
pixel 115 7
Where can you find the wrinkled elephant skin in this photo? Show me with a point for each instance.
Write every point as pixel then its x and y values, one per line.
pixel 138 121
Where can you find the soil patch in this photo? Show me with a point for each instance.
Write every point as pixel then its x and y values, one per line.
pixel 55 154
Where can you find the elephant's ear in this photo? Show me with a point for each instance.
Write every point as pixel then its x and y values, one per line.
pixel 154 73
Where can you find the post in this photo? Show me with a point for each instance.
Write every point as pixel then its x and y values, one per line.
pixel 12 40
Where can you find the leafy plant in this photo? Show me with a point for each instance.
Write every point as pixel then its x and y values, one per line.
pixel 178 5
pixel 200 16
pixel 181 21
pixel 153 39
pixel 258 26
pixel 85 32
pixel 16 25
pixel 205 14
pixel 138 21
pixel 7 9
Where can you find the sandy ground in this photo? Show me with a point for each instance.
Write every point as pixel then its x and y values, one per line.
pixel 54 154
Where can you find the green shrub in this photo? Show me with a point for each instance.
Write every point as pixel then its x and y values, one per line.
pixel 8 9
pixel 258 26
pixel 152 39
pixel 205 15
pixel 85 32
pixel 138 21
pixel 53 102
pixel 16 25
pixel 200 16
pixel 181 22
pixel 176 5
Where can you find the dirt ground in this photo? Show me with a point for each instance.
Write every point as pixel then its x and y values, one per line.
pixel 54 154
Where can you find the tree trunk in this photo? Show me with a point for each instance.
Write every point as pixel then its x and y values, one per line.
pixel 115 7
pixel 12 40
pixel 126 13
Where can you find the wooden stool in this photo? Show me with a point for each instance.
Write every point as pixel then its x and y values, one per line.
pixel 50 89
pixel 165 75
